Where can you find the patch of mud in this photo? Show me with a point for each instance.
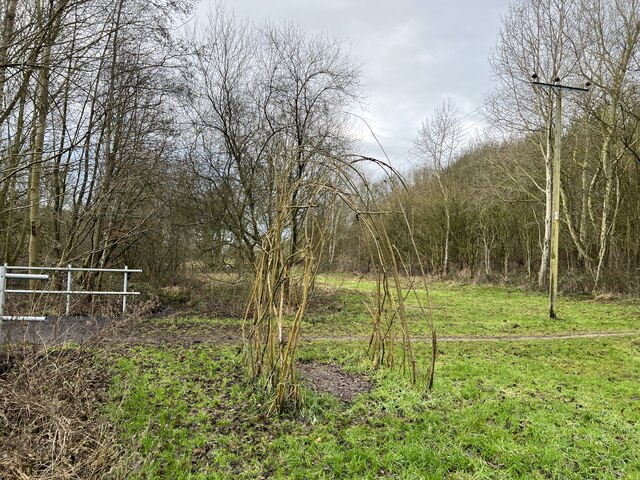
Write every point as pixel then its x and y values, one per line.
pixel 133 330
pixel 157 331
pixel 53 331
pixel 330 378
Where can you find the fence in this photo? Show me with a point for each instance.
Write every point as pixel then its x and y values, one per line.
pixel 5 274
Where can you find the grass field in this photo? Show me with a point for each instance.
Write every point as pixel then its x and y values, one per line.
pixel 556 408
pixel 462 310
pixel 567 409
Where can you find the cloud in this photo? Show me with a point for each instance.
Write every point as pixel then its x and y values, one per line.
pixel 414 54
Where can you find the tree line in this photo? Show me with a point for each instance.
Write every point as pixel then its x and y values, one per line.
pixel 127 138
pixel 86 92
pixel 486 209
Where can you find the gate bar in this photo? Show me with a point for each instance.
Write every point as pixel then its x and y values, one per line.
pixel 75 269
pixel 27 276
pixel 72 292
pixel 23 318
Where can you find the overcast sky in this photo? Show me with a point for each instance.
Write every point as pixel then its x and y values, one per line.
pixel 414 54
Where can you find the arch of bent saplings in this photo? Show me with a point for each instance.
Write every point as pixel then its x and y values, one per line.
pixel 285 274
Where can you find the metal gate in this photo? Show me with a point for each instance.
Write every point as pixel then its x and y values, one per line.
pixel 13 272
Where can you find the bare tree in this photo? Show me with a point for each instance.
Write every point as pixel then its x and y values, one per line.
pixel 438 143
pixel 84 118
pixel 535 38
pixel 609 42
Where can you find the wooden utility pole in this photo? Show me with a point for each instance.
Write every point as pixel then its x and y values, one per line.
pixel 555 197
pixel 555 207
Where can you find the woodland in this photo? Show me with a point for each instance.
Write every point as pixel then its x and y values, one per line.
pixel 127 140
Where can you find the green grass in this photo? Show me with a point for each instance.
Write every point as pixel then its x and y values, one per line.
pixel 563 409
pixel 459 310
pixel 476 310
pixel 499 410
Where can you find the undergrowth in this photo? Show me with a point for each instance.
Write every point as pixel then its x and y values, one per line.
pixel 51 425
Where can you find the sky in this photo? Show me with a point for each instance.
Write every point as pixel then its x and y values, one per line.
pixel 414 55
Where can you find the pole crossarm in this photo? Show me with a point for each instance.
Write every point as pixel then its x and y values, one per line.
pixel 559 86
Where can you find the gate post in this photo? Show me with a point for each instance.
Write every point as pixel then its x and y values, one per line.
pixel 124 290
pixel 68 309
pixel 3 286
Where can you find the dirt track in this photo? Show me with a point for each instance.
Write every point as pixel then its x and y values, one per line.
pixel 55 330
pixel 511 338
pixel 146 330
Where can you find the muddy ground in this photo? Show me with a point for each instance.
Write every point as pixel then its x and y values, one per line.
pixel 165 330
pixel 330 378
pixel 53 331
pixel 324 378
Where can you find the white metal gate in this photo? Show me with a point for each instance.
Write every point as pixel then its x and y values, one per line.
pixel 13 272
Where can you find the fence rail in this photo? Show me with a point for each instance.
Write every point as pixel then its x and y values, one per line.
pixel 6 275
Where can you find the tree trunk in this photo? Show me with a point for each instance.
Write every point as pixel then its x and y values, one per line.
pixel 7 40
pixel 548 214
pixel 35 170
pixel 447 234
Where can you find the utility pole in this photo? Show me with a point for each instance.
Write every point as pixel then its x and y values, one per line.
pixel 555 196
